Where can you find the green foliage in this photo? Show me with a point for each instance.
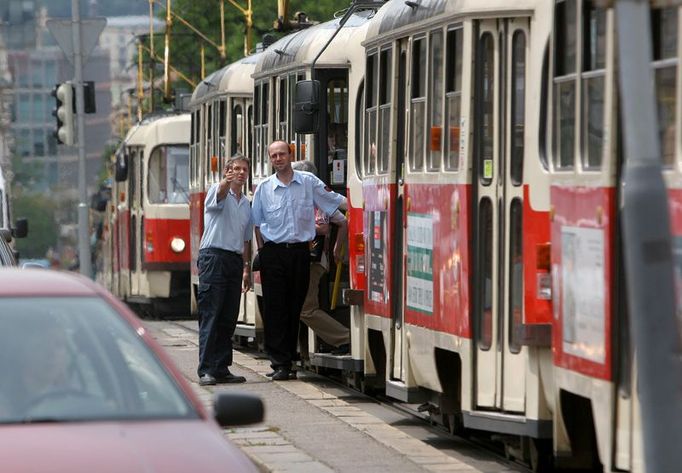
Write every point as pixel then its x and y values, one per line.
pixel 205 16
pixel 42 234
pixel 26 176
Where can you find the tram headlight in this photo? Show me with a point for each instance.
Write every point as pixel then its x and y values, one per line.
pixel 177 244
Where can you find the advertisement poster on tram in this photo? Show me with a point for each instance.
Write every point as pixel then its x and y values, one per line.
pixel 582 289
pixel 420 262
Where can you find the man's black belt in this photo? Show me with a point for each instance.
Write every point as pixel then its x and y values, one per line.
pixel 219 251
pixel 296 245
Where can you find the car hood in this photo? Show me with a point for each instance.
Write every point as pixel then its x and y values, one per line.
pixel 131 447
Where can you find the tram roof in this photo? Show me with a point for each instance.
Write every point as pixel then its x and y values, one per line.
pixel 233 79
pixel 299 49
pixel 396 15
pixel 159 129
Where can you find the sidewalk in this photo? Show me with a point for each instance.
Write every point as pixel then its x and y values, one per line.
pixel 309 430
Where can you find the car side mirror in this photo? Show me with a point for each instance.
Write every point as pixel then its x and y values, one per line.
pixel 20 229
pixel 234 409
pixel 307 106
pixel 121 167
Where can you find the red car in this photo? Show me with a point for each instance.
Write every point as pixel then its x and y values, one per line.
pixel 85 388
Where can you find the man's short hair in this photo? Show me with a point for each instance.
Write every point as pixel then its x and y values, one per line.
pixel 279 141
pixel 238 157
pixel 304 165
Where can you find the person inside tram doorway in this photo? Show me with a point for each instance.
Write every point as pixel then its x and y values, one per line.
pixel 284 214
pixel 224 271
pixel 331 331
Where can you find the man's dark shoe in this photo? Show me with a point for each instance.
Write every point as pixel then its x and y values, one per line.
pixel 283 374
pixel 206 380
pixel 271 373
pixel 229 378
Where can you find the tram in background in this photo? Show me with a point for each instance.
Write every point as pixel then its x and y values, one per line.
pixel 145 246
pixel 222 126
pixel 331 147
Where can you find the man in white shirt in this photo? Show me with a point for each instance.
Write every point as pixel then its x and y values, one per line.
pixel 224 271
pixel 284 213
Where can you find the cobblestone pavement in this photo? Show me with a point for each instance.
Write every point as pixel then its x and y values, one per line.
pixel 308 429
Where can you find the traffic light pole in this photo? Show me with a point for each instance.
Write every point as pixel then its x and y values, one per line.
pixel 648 246
pixel 83 212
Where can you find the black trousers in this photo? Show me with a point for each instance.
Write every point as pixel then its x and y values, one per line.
pixel 285 272
pixel 218 300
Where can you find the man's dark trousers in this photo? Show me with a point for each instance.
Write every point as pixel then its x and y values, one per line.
pixel 218 299
pixel 285 271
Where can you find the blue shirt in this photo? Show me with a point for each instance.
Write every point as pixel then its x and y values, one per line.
pixel 227 224
pixel 286 214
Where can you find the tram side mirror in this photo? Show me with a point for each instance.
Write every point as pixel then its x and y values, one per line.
pixel 307 106
pixel 20 229
pixel 121 167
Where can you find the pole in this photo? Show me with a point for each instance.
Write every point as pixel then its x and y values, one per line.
pixel 647 246
pixel 83 224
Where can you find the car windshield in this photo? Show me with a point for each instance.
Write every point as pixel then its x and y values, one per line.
pixel 75 359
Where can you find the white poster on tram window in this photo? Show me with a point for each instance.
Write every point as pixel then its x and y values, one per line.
pixel 420 262
pixel 582 290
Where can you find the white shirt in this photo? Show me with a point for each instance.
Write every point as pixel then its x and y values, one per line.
pixel 286 213
pixel 227 224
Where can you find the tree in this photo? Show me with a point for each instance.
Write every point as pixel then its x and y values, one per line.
pixel 40 212
pixel 205 16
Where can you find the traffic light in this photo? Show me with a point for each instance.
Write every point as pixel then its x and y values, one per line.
pixel 64 113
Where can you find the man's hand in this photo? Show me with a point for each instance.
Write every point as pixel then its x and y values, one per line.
pixel 322 229
pixel 246 280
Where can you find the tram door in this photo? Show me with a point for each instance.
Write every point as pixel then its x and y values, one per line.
pixel 398 315
pixel 136 219
pixel 500 76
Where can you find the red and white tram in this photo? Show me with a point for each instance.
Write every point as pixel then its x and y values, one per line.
pixel 596 416
pixel 457 302
pixel 222 126
pixel 332 147
pixel 146 238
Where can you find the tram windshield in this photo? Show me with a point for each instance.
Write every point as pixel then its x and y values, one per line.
pixel 169 175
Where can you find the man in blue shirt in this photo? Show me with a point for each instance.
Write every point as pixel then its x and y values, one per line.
pixel 224 271
pixel 284 214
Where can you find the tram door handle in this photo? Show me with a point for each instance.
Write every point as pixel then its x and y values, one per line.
pixel 401 181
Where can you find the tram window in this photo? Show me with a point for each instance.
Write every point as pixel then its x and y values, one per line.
pixel 515 274
pixel 418 104
pixel 255 169
pixel 249 134
pixel 283 109
pixel 436 100
pixel 337 113
pixel 518 109
pixel 294 137
pixel 371 115
pixel 485 275
pixel 385 83
pixel 168 175
pixel 209 122
pixel 565 48
pixel 359 120
pixel 593 86
pixel 664 30
pixel 132 173
pixel 453 98
pixel 487 103
pixel 237 130
pixel 264 129
pixel 222 127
